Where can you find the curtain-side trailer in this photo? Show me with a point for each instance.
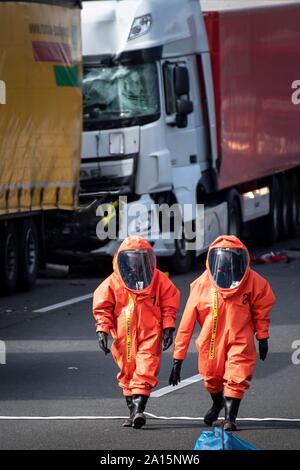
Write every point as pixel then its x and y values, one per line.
pixel 40 128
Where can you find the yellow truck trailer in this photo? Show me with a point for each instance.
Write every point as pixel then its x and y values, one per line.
pixel 40 128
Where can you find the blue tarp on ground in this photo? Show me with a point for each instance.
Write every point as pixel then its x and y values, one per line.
pixel 218 439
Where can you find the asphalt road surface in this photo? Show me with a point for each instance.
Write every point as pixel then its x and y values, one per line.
pixel 55 371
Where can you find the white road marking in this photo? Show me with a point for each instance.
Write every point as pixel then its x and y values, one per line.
pixel 75 300
pixel 175 418
pixel 53 418
pixel 169 389
pixel 292 420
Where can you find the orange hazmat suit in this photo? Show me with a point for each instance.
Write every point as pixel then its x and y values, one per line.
pixel 229 319
pixel 136 320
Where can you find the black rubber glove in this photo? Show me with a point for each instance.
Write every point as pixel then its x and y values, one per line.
pixel 167 338
pixel 174 378
pixel 102 338
pixel 263 349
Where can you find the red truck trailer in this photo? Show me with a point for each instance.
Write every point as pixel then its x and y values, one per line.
pixel 255 60
pixel 255 56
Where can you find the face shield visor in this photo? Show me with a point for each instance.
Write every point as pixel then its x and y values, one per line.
pixel 227 266
pixel 136 268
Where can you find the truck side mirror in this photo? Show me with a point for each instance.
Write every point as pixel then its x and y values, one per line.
pixel 184 107
pixel 181 81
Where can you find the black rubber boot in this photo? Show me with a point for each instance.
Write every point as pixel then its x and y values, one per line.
pixel 231 411
pixel 139 405
pixel 128 421
pixel 213 413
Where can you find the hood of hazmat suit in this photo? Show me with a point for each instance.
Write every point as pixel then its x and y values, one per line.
pixel 228 263
pixel 135 264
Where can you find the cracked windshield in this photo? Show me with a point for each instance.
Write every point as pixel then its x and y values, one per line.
pixel 120 92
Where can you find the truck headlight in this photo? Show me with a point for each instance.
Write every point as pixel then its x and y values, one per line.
pixel 140 26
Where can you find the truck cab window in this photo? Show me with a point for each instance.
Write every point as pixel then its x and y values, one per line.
pixel 127 93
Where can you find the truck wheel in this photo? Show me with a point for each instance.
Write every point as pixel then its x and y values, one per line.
pixel 234 216
pixel 294 206
pixel 266 230
pixel 273 222
pixel 9 256
pixel 182 260
pixel 286 207
pixel 29 249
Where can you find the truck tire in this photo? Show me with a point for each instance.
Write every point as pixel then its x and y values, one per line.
pixel 234 215
pixel 286 208
pixel 294 205
pixel 266 230
pixel 9 258
pixel 182 260
pixel 29 250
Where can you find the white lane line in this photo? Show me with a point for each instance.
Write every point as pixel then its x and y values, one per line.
pixel 292 420
pixel 59 418
pixel 75 300
pixel 168 418
pixel 169 389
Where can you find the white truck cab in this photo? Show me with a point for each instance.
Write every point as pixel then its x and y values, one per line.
pixel 148 132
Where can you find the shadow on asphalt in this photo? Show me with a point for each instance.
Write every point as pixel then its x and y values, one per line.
pixel 25 377
pixel 260 426
pixel 252 426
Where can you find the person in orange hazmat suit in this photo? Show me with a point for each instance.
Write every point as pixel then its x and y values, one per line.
pixel 231 302
pixel 137 304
